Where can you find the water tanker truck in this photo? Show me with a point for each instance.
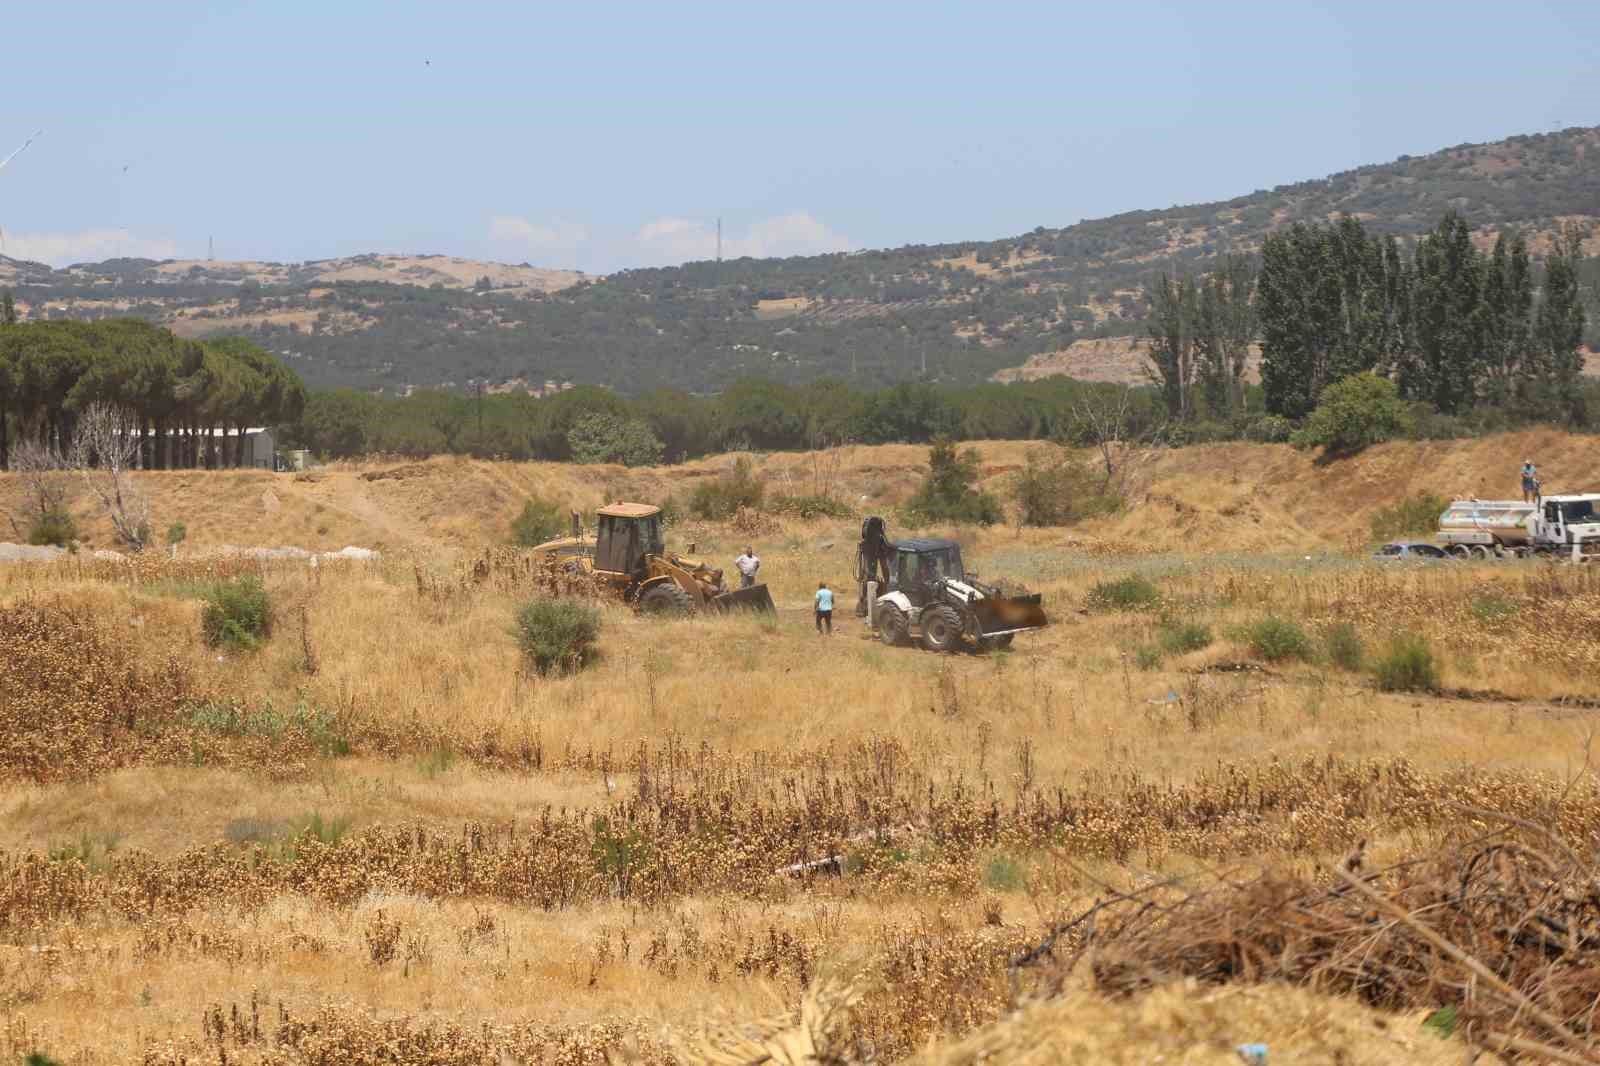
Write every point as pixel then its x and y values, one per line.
pixel 1564 525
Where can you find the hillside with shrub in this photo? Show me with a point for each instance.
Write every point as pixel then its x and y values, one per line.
pixel 945 313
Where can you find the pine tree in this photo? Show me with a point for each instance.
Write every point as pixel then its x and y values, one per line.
pixel 8 309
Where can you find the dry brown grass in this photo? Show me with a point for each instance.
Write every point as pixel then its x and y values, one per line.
pixel 416 844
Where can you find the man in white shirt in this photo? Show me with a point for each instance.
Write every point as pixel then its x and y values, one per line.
pixel 747 564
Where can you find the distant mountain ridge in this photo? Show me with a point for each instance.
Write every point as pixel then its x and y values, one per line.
pixel 955 312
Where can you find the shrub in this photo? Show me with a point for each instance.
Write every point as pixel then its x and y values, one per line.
pixel 1413 515
pixel 1343 645
pixel 1147 657
pixel 946 493
pixel 1004 874
pixel 55 526
pixel 812 506
pixel 1177 638
pixel 1270 429
pixel 1354 412
pixel 1491 607
pixel 176 534
pixel 1130 593
pixel 1054 492
pixel 723 497
pixel 1278 639
pixel 556 635
pixel 1407 665
pixel 539 521
pixel 238 612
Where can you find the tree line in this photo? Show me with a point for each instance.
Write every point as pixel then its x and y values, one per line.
pixel 1456 329
pixel 178 393
pixel 592 424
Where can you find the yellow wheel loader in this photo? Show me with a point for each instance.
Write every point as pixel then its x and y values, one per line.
pixel 628 555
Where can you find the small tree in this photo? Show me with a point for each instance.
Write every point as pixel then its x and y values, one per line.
pixel 105 447
pixel 1355 412
pixel 947 493
pixel 723 497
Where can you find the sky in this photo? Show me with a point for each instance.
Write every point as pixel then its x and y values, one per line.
pixel 605 136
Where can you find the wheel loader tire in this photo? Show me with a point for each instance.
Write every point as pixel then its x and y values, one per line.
pixel 665 599
pixel 941 628
pixel 996 643
pixel 892 625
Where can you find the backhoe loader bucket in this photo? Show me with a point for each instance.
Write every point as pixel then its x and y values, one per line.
pixel 754 598
pixel 1009 614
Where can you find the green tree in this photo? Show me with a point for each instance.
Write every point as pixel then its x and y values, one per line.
pixel 1558 331
pixel 947 493
pixel 1174 320
pixel 605 438
pixel 1224 330
pixel 1444 365
pixel 1355 412
pixel 8 309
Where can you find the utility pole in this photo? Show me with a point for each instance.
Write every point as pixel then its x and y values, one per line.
pixel 211 249
pixel 719 238
pixel 480 413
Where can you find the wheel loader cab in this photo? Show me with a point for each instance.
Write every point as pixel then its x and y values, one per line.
pixel 624 534
pixel 919 564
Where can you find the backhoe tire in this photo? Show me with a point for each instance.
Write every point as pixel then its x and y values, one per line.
pixel 941 628
pixel 666 599
pixel 997 643
pixel 892 626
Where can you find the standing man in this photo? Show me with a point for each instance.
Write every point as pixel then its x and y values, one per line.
pixel 1530 482
pixel 824 608
pixel 748 564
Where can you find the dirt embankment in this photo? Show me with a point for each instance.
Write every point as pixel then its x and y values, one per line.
pixel 1225 497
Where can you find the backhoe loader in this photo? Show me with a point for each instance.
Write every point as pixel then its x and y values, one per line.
pixel 628 556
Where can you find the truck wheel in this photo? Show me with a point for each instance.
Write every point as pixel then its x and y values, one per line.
pixel 1480 552
pixel 941 628
pixel 891 624
pixel 1461 551
pixel 665 598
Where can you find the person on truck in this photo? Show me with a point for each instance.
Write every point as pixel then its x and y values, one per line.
pixel 1530 482
pixel 747 564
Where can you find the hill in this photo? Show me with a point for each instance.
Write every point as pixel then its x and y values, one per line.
pixel 957 312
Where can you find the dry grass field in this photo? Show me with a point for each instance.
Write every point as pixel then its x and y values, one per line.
pixel 378 838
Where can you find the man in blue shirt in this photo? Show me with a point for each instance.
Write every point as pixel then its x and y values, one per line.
pixel 824 608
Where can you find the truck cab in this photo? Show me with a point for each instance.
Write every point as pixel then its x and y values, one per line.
pixel 1572 520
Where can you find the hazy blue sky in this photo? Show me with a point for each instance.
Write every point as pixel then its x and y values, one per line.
pixel 608 135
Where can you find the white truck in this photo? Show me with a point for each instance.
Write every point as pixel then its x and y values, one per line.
pixel 1566 525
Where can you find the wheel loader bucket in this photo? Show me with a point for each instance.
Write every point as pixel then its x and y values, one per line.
pixel 1009 614
pixel 754 598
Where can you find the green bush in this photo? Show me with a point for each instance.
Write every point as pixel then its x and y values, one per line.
pixel 1178 638
pixel 1270 429
pixel 1343 645
pixel 539 521
pixel 556 635
pixel 1057 491
pixel 1408 517
pixel 1407 665
pixel 56 526
pixel 1491 607
pixel 1354 412
pixel 1147 657
pixel 946 493
pixel 1004 874
pixel 238 613
pixel 722 498
pixel 1278 639
pixel 1130 593
pixel 176 534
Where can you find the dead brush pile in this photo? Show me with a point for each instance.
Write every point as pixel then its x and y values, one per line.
pixel 1500 935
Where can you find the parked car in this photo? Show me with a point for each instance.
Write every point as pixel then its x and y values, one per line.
pixel 1412 551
